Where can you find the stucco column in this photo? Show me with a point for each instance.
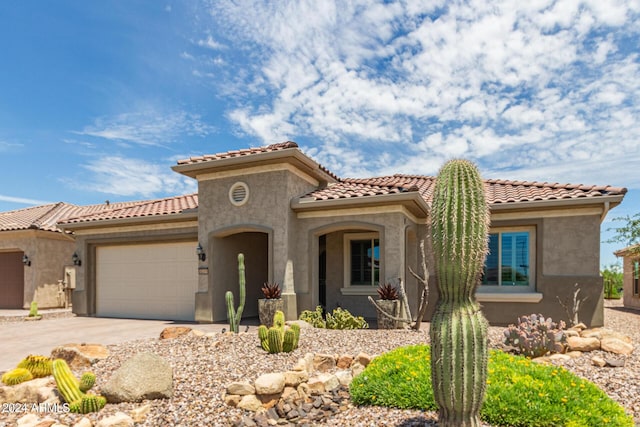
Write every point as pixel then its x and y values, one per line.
pixel 289 293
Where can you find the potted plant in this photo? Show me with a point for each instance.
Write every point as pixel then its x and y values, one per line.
pixel 271 303
pixel 390 304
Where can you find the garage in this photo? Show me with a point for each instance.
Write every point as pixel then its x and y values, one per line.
pixel 147 281
pixel 11 280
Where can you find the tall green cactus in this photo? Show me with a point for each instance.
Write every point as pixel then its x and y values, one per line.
pixel 459 353
pixel 65 381
pixel 235 316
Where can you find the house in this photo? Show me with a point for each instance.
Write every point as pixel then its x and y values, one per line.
pixel 328 241
pixel 36 256
pixel 630 275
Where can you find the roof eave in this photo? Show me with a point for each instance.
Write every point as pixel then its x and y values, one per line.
pixel 413 200
pixel 613 200
pixel 142 220
pixel 305 163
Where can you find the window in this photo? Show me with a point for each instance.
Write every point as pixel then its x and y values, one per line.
pixel 362 259
pixel 636 277
pixel 510 264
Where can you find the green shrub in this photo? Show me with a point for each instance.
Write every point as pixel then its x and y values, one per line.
pixel 612 280
pixel 520 393
pixel 338 319
pixel 342 319
pixel 314 318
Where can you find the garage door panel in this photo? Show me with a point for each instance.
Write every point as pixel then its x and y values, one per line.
pixel 153 281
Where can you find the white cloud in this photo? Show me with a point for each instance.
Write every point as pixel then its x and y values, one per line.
pixel 542 86
pixel 135 178
pixel 148 126
pixel 22 200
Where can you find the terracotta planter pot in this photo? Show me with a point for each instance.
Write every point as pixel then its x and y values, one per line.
pixel 391 307
pixel 267 308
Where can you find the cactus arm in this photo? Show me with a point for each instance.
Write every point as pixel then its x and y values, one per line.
pixel 231 314
pixel 87 381
pixel 65 381
pixel 288 341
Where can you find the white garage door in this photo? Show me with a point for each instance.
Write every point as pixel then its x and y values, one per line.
pixel 150 281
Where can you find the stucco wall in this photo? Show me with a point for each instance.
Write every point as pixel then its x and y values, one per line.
pixel 267 209
pixel 49 252
pixel 629 299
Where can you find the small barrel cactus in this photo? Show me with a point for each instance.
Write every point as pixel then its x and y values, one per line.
pixel 87 380
pixel 91 403
pixel 279 338
pixel 39 366
pixel 459 350
pixel 17 376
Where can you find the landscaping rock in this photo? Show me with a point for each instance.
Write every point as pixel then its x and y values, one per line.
pixel 294 378
pixel 120 419
pixel 583 344
pixel 269 383
pixel 344 377
pixel 598 361
pixel 80 356
pixel 29 420
pixel 324 362
pixel 84 422
pixel 144 376
pixel 139 415
pixel 617 346
pixel 250 403
pixel 615 363
pixel 46 422
pixel 344 361
pixel 35 391
pixel 174 332
pixel 241 388
pixel 364 359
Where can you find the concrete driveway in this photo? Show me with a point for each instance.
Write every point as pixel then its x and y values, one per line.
pixel 19 339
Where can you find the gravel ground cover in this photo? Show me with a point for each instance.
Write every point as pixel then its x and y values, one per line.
pixel 204 366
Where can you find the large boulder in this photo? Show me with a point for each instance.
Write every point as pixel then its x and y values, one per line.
pixel 144 376
pixel 617 346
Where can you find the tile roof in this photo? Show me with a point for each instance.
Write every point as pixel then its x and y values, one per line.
pixel 497 191
pixel 45 217
pixel 148 208
pixel 249 152
pixel 238 153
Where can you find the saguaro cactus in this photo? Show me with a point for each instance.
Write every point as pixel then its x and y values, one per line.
pixel 235 316
pixel 458 333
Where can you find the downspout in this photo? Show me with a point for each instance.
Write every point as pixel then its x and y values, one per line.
pixel 607 207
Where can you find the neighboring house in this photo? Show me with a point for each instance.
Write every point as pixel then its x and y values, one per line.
pixel 631 275
pixel 35 255
pixel 328 241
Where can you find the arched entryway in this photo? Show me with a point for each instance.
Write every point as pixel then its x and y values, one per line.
pixel 225 248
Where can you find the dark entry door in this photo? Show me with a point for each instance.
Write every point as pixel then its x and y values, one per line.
pixel 11 280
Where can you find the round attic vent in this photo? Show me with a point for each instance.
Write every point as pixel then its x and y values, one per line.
pixel 239 194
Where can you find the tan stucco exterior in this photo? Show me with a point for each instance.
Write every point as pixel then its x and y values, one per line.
pixel 284 237
pixel 48 252
pixel 630 255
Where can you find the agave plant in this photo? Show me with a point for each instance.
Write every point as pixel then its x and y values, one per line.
pixel 388 292
pixel 271 290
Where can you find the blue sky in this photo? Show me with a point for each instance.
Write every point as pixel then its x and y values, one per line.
pixel 99 99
